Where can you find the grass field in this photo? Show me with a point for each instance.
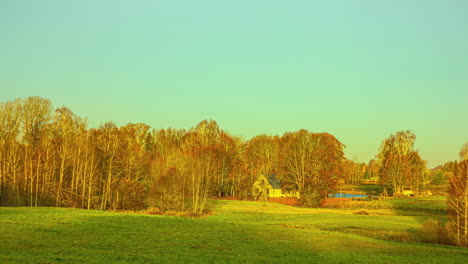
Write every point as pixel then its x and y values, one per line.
pixel 237 232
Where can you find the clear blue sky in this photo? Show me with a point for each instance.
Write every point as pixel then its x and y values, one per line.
pixel 360 70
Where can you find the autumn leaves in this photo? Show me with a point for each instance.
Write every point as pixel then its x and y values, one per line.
pixel 50 158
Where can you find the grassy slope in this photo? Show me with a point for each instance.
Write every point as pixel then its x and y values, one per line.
pixel 253 232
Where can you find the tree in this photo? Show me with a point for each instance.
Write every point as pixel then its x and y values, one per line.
pixel 464 152
pixel 400 164
pixel 417 173
pixel 227 156
pixel 65 129
pixel 36 115
pixel 91 171
pixel 10 128
pixel 373 169
pixel 240 177
pixel 108 143
pixel 261 157
pixel 458 202
pixel 201 147
pixel 134 158
pixel 312 163
pixel 169 170
pixel 353 171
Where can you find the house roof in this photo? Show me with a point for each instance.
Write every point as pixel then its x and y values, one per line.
pixel 275 183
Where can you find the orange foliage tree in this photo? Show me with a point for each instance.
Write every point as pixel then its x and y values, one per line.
pixel 51 158
pixel 312 163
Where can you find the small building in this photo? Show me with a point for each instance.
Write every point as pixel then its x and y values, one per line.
pixel 264 188
pixel 407 192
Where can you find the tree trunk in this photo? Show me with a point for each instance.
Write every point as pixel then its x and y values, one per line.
pixel 37 178
pixel 59 188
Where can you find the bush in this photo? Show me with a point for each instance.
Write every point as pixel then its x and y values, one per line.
pixel 452 234
pixel 347 203
pixel 311 199
pixel 395 236
pixel 361 212
pixel 152 211
pixel 434 231
pixel 386 235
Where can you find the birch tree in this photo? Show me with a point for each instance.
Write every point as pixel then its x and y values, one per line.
pixel 400 163
pixel 200 146
pixel 36 115
pixel 458 202
pixel 65 133
pixel 108 143
pixel 10 125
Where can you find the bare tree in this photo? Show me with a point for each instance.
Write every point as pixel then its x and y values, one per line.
pixel 200 146
pixel 65 132
pixel 36 115
pixel 108 144
pixel 261 157
pixel 10 113
pixel 458 202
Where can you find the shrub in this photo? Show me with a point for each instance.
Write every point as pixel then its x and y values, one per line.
pixel 361 212
pixel 434 231
pixel 451 234
pixel 395 236
pixel 386 235
pixel 311 199
pixel 153 211
pixel 347 203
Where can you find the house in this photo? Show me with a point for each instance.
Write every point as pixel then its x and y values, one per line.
pixel 264 188
pixel 407 192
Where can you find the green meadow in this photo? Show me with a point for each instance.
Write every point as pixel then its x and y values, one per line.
pixel 236 232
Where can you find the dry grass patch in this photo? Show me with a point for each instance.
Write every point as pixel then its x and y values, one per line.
pixel 348 203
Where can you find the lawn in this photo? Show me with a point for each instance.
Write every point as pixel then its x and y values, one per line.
pixel 237 232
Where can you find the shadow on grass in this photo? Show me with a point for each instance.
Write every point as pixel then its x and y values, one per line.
pixel 112 237
pixel 80 236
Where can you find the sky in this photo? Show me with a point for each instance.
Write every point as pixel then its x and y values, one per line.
pixel 360 70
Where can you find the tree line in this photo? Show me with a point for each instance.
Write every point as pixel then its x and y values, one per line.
pixel 49 157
